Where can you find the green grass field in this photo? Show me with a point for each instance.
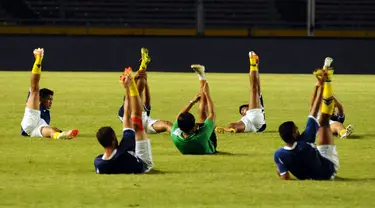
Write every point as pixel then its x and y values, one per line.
pixel 45 173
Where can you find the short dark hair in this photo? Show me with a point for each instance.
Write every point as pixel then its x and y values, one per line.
pixel 186 122
pixel 286 131
pixel 44 93
pixel 242 106
pixel 106 135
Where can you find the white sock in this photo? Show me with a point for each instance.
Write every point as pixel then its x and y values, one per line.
pixel 202 76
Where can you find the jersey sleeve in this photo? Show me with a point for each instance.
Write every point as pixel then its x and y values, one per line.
pixel 128 141
pixel 311 130
pixel 174 126
pixel 147 109
pixel 280 164
pixel 208 128
pixel 121 111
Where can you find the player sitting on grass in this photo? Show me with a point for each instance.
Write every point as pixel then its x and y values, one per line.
pixel 253 117
pixel 152 126
pixel 133 154
pixel 337 121
pixel 36 120
pixel 338 117
pixel 300 156
pixel 196 138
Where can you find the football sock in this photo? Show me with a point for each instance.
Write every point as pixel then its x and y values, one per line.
pixel 55 135
pixel 37 67
pixel 328 103
pixel 342 132
pixel 133 88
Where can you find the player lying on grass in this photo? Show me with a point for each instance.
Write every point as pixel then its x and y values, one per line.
pixel 152 126
pixel 253 117
pixel 196 138
pixel 37 117
pixel 133 154
pixel 300 156
pixel 338 117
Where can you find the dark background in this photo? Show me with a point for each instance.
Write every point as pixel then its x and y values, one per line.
pixel 176 54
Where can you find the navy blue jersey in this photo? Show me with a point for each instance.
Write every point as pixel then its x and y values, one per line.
pixel 123 160
pixel 121 110
pixel 338 118
pixel 303 160
pixel 45 114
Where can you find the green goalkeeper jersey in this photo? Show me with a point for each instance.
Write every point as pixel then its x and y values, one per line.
pixel 197 142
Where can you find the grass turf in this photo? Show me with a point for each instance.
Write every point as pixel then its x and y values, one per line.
pixel 45 173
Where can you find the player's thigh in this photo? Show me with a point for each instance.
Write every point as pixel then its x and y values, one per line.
pixel 38 131
pixel 33 101
pixel 143 151
pixel 253 120
pixel 150 126
pixel 30 120
pixel 325 136
pixel 329 152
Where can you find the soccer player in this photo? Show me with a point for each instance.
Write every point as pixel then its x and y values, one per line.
pixel 37 117
pixel 253 117
pixel 133 154
pixel 337 121
pixel 338 117
pixel 300 156
pixel 152 126
pixel 196 138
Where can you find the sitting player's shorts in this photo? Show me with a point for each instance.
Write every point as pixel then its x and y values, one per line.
pixel 147 122
pixel 32 123
pixel 143 151
pixel 254 120
pixel 329 152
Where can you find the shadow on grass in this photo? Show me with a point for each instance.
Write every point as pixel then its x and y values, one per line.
pixel 356 136
pixel 269 131
pixel 353 179
pixel 160 172
pixel 230 154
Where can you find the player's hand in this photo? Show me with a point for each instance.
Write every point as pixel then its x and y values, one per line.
pixel 126 80
pixel 196 98
pixel 38 53
pixel 141 74
pixel 318 84
pixel 322 78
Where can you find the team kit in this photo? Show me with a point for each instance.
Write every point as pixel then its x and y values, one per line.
pixel 310 154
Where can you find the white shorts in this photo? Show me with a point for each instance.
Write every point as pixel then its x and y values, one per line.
pixel 332 122
pixel 147 123
pixel 32 123
pixel 330 152
pixel 143 151
pixel 253 120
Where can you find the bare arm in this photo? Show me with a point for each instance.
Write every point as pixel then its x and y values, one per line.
pixel 127 122
pixel 286 176
pixel 338 105
pixel 315 92
pixel 317 102
pixel 187 108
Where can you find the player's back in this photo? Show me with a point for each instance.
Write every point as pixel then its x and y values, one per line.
pixel 119 163
pixel 304 161
pixel 196 143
